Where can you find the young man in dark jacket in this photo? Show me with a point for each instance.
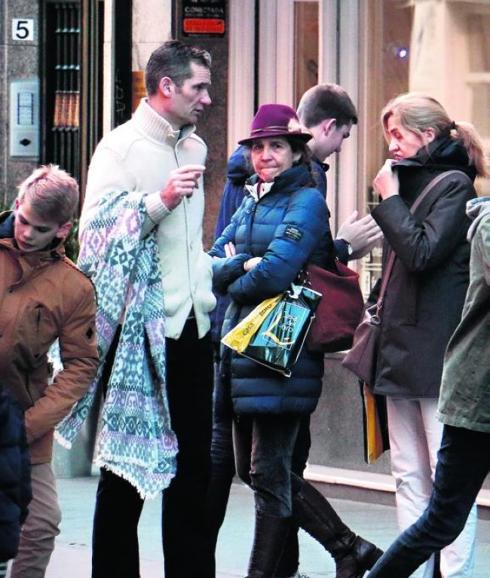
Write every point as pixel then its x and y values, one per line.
pixel 43 298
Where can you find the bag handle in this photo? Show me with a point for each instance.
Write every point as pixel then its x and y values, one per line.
pixel 392 256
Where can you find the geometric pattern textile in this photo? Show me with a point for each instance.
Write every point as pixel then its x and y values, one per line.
pixel 135 440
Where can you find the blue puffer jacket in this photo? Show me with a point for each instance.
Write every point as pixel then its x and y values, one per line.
pixel 15 486
pixel 287 227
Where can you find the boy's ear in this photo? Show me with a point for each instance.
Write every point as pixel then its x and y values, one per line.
pixel 64 230
pixel 17 204
pixel 329 125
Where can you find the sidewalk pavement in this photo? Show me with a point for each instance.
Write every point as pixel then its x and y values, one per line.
pixel 77 496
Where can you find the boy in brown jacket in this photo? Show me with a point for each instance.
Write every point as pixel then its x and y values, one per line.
pixel 43 297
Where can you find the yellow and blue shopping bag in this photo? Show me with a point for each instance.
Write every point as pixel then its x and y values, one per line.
pixel 274 333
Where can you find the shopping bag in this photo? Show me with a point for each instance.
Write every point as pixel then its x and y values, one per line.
pixel 273 334
pixel 375 424
pixel 239 337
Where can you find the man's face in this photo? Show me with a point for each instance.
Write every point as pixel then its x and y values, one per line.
pixel 33 233
pixel 328 138
pixel 189 100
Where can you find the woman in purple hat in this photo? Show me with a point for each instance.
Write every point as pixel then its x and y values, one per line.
pixel 281 225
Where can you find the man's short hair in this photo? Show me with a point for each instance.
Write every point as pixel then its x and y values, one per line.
pixel 52 193
pixel 326 101
pixel 173 59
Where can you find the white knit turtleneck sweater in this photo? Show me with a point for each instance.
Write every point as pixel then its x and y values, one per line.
pixel 138 156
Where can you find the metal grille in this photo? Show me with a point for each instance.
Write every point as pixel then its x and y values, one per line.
pixel 63 85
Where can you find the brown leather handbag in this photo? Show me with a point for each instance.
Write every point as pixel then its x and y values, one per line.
pixel 339 310
pixel 361 359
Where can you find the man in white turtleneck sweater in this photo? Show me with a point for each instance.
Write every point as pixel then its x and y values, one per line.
pixel 158 154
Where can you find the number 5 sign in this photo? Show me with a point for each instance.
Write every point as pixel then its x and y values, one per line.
pixel 22 28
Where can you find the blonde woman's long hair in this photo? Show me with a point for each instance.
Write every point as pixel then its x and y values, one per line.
pixel 418 112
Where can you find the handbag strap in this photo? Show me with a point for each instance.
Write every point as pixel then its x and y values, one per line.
pixel 392 256
pixel 433 183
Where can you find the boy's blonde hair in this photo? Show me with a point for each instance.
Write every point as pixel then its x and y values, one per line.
pixel 52 193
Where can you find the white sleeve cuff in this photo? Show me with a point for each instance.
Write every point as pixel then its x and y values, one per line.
pixel 155 207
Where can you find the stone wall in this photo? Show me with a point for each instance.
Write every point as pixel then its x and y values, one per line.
pixel 18 60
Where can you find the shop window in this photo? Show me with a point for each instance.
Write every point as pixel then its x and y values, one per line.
pixel 438 47
pixel 478 76
pixel 388 27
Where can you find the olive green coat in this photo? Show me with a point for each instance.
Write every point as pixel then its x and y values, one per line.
pixel 465 393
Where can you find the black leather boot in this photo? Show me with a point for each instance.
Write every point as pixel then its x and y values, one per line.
pixel 352 554
pixel 269 539
pixel 289 560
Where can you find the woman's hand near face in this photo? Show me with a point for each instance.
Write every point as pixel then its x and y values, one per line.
pixel 386 183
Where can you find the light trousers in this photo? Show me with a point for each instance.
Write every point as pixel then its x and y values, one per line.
pixel 41 526
pixel 415 438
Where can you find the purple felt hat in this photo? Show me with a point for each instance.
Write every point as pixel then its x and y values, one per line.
pixel 276 120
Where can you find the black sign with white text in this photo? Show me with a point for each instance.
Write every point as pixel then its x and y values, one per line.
pixel 203 17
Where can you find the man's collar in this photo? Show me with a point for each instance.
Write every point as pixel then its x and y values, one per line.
pixel 324 166
pixel 156 126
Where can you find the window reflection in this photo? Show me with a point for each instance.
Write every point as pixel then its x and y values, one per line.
pixel 479 71
pixel 434 46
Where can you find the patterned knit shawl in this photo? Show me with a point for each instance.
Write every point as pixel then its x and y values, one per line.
pixel 136 441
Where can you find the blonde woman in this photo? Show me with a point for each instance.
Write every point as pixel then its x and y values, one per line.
pixel 425 294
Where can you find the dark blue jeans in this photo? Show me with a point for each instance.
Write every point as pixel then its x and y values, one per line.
pixel 223 470
pixel 223 456
pixel 264 448
pixel 463 463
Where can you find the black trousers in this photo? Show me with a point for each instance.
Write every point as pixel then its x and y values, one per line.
pixel 186 545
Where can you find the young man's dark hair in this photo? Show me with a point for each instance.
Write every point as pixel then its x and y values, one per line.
pixel 173 59
pixel 326 101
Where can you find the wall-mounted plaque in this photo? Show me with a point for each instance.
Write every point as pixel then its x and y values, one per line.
pixel 203 17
